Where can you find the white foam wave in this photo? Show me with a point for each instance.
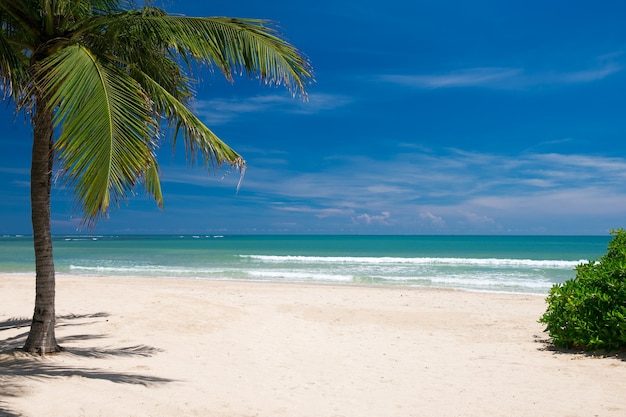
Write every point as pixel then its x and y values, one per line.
pixel 517 275
pixel 482 262
pixel 299 276
pixel 142 269
pixel 491 282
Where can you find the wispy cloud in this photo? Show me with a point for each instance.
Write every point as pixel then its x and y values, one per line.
pixel 18 171
pixel 430 217
pixel 585 76
pixel 221 111
pixel 450 190
pixel 503 78
pixel 373 218
pixel 320 213
pixel 200 177
pixel 472 77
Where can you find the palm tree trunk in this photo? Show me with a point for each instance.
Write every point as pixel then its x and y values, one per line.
pixel 41 338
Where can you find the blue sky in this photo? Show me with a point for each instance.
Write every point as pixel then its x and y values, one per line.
pixel 448 117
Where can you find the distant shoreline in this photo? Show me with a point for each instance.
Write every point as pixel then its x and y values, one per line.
pixel 508 264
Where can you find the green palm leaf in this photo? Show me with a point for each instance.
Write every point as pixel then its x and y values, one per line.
pixel 200 142
pixel 233 45
pixel 13 69
pixel 106 143
pixel 10 67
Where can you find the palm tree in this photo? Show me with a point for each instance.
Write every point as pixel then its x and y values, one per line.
pixel 103 82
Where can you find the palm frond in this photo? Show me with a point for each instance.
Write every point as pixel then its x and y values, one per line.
pixel 13 61
pixel 106 143
pixel 253 46
pixel 233 45
pixel 12 69
pixel 23 14
pixel 200 142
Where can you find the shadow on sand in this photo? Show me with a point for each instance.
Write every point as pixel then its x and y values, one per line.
pixel 547 346
pixel 17 366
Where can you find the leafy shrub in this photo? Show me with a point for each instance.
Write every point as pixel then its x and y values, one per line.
pixel 589 311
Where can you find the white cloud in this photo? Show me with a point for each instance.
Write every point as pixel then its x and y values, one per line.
pixel 319 213
pixel 431 218
pixel 479 219
pixel 502 78
pixel 448 190
pixel 590 75
pixel 221 111
pixel 200 176
pixel 453 190
pixel 369 219
pixel 586 201
pixel 319 102
pixel 471 77
pixel 23 184
pixel 18 171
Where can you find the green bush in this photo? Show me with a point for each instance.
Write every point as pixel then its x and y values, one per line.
pixel 589 311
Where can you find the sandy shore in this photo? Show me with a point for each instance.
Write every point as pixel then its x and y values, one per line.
pixel 148 347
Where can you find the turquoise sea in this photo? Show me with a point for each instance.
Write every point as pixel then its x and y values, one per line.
pixel 523 264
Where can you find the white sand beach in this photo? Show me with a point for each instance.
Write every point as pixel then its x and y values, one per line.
pixel 165 347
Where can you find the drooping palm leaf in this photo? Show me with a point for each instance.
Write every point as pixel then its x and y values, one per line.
pixel 152 183
pixel 106 143
pixel 23 15
pixel 13 68
pixel 233 45
pixel 200 142
pixel 151 45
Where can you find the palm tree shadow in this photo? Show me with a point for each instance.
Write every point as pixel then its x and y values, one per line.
pixel 25 366
pixel 8 392
pixel 14 323
pixel 17 366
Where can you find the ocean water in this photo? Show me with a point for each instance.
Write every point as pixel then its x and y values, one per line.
pixel 521 264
